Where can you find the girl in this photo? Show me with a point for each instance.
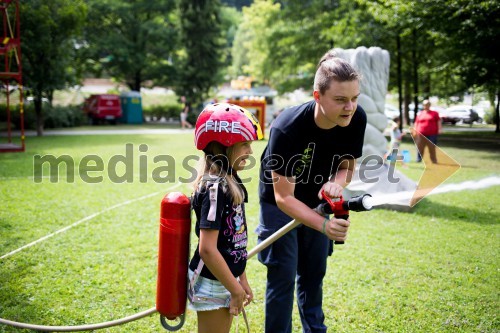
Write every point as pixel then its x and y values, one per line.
pixel 218 288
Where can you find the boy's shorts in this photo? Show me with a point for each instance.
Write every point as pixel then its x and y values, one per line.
pixel 215 295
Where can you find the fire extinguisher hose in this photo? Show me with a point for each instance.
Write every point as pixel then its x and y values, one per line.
pixel 90 327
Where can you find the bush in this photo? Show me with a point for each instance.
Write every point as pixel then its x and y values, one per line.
pixel 54 116
pixel 489 115
pixel 171 110
pixel 63 116
pixel 15 116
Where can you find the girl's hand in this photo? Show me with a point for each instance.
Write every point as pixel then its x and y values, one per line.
pixel 248 290
pixel 237 302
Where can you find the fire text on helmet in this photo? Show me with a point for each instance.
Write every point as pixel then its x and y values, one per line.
pixel 223 126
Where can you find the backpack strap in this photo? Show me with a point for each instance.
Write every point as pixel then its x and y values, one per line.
pixel 212 184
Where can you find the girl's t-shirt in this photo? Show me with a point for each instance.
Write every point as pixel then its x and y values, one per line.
pixel 230 220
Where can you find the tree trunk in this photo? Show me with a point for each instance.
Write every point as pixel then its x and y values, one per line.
pixel 50 96
pixel 406 102
pixel 400 83
pixel 39 115
pixel 137 81
pixel 415 74
pixel 497 114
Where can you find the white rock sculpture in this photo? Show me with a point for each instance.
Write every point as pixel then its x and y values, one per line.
pixel 373 64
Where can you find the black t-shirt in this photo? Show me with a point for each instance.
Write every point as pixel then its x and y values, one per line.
pixel 298 147
pixel 230 221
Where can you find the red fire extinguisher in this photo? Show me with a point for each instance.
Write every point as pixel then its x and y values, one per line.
pixel 173 257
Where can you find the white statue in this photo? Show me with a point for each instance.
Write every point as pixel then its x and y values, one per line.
pixel 373 64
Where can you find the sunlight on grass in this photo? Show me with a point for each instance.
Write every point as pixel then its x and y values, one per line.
pixel 432 269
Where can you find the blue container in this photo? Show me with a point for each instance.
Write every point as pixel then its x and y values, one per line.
pixel 131 102
pixel 406 156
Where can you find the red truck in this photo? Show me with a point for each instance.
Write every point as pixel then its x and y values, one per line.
pixel 103 107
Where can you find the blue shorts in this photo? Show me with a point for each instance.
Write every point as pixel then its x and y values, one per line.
pixel 210 294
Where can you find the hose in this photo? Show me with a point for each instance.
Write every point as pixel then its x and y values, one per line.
pixel 44 328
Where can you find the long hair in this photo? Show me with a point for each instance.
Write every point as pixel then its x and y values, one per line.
pixel 216 163
pixel 331 67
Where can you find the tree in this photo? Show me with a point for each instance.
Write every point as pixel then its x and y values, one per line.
pixel 456 51
pixel 230 20
pixel 253 46
pixel 468 34
pixel 203 46
pixel 48 39
pixel 282 43
pixel 132 41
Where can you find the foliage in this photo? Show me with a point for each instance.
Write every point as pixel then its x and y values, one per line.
pixel 133 41
pixel 202 52
pixel 452 40
pixel 275 43
pixel 279 42
pixel 230 20
pixel 48 33
pixel 238 4
pixel 172 110
pixel 252 50
pixel 54 116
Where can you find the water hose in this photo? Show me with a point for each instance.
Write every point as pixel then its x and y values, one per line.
pixel 44 328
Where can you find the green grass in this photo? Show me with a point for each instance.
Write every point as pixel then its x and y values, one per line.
pixel 434 269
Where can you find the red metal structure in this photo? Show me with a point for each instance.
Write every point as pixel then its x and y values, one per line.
pixel 11 69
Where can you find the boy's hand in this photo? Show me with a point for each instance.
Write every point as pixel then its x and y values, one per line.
pixel 336 229
pixel 332 190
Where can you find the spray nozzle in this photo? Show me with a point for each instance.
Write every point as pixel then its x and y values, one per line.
pixel 359 204
pixel 340 207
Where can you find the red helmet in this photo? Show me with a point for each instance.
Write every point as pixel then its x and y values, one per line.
pixel 227 124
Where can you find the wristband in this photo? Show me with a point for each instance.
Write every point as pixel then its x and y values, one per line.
pixel 324 224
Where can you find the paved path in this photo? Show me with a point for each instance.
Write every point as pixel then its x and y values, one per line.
pixel 109 131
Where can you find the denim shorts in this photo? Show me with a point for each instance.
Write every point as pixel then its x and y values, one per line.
pixel 215 295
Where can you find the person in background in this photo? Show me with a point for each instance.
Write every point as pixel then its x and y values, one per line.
pixel 186 108
pixel 394 153
pixel 312 149
pixel 426 129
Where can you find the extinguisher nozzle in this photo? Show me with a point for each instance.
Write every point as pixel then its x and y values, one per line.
pixel 172 328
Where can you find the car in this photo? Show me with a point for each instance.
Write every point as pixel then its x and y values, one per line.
pixel 464 114
pixel 391 111
pixel 102 107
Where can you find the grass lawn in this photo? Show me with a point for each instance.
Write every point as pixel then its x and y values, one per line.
pixel 433 269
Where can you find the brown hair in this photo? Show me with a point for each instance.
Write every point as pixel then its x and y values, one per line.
pixel 331 67
pixel 210 166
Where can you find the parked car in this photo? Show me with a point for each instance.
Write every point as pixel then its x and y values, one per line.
pixel 460 114
pixel 103 107
pixel 391 111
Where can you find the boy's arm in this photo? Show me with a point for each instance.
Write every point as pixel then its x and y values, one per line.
pixel 284 188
